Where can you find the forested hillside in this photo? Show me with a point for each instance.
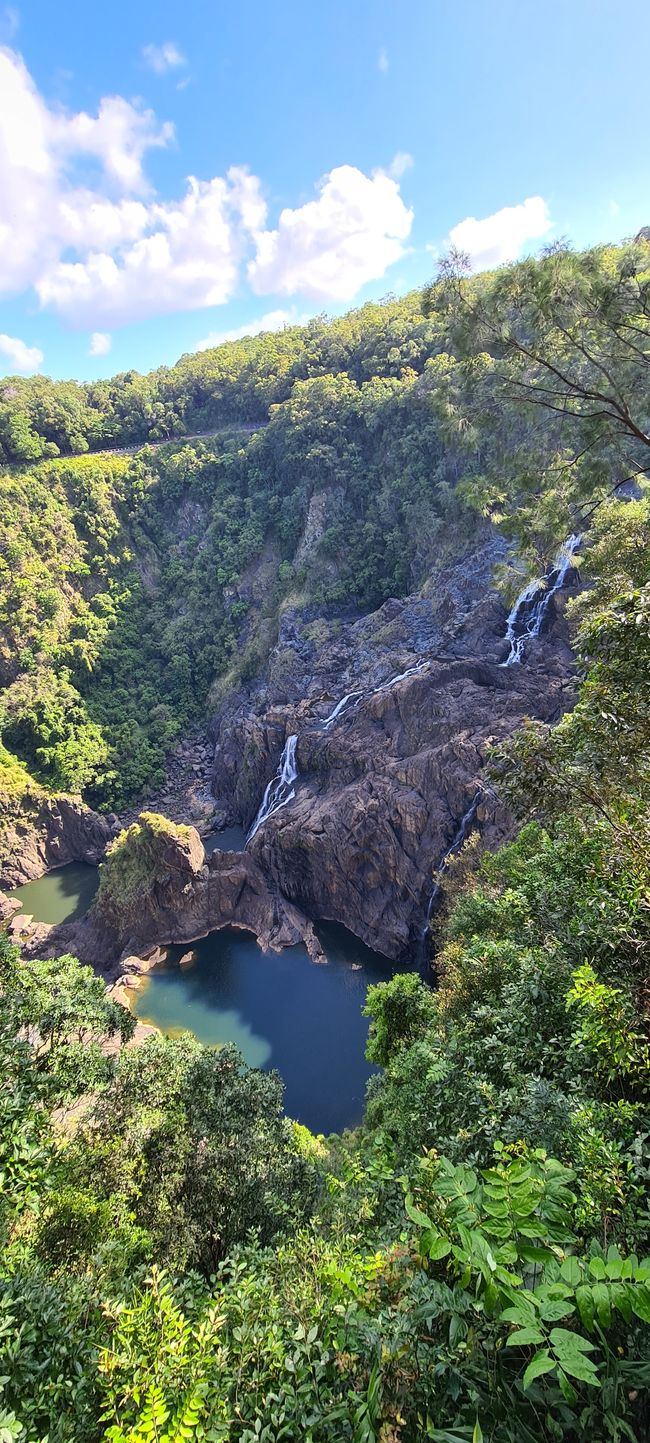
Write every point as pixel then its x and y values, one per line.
pixel 181 1261
pixel 123 591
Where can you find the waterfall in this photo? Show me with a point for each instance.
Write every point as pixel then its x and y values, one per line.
pixel 340 707
pixel 352 698
pixel 280 789
pixel 461 835
pixel 527 616
pixel 401 676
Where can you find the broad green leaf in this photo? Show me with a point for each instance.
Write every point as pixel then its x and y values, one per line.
pixel 586 1307
pixel 525 1337
pixel 416 1216
pixel 563 1338
pixel 566 1387
pixel 640 1299
pixel 603 1304
pixel 571 1271
pixel 541 1363
pixel 439 1248
pixel 581 1368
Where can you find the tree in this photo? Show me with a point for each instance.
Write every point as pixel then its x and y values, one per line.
pixel 567 335
pixel 65 1016
pixel 196 1145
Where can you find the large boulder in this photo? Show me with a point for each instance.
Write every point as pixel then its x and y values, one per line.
pixel 157 888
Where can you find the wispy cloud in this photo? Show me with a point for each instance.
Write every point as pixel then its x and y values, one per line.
pixel 382 60
pixel 100 343
pixel 161 58
pixel 9 23
pixel 399 165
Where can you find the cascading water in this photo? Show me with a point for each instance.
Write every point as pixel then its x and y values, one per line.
pixel 343 705
pixel 280 789
pixel 351 700
pixel 527 616
pixel 461 835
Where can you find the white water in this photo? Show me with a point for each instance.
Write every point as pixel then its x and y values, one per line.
pixel 461 836
pixel 280 789
pixel 340 707
pixel 351 700
pixel 527 615
pixel 401 676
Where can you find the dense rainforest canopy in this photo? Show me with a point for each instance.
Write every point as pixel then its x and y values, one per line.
pixel 180 1260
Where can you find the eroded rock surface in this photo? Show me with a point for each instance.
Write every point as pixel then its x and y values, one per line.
pixel 43 832
pixel 381 790
pixel 182 897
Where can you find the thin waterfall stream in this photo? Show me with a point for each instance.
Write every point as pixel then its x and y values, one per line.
pixel 460 837
pixel 280 789
pixel 523 624
pixel 526 619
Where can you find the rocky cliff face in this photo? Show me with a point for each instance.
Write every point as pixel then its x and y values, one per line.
pixel 40 832
pixel 394 715
pixel 382 788
pixel 158 887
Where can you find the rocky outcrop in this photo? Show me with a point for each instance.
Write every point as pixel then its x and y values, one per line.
pixel 158 888
pixel 381 790
pixel 39 832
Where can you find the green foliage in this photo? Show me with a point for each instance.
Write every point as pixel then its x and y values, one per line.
pixel 64 1014
pixel 400 1010
pixel 198 1148
pixel 136 860
pixel 181 1260
pixel 126 582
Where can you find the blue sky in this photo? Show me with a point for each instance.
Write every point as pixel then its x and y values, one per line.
pixel 334 149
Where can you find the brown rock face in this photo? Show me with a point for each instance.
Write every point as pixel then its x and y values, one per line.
pixel 45 832
pixel 382 789
pixel 180 898
pixel 381 795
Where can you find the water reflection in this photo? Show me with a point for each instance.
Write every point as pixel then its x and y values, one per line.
pixel 61 896
pixel 282 1010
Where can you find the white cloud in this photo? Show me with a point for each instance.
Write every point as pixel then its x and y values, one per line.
pixel 100 343
pixel 331 246
pixel 399 165
pixel 501 237
pixel 382 60
pixel 189 258
pixel 272 321
pixel 21 357
pixel 42 210
pixel 118 136
pixel 101 249
pixel 161 58
pixel 614 207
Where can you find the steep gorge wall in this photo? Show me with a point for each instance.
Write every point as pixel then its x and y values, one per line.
pixel 381 790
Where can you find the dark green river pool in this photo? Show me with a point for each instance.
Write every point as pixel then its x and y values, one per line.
pixel 280 1009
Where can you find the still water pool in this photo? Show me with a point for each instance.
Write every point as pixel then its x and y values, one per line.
pixel 281 1010
pixel 61 896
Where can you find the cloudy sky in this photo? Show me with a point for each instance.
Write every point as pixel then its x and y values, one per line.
pixel 173 175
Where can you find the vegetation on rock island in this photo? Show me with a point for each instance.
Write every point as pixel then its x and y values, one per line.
pixel 180 1260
